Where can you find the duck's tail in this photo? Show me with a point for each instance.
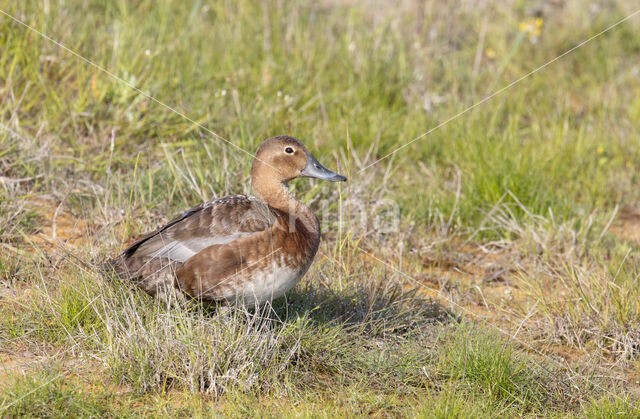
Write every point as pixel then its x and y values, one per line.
pixel 108 268
pixel 114 268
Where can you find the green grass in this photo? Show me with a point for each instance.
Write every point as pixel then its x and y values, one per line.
pixel 361 350
pixel 514 212
pixel 47 395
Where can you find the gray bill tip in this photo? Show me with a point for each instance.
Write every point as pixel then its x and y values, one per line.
pixel 318 171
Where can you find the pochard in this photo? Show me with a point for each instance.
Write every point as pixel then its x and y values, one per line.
pixel 246 249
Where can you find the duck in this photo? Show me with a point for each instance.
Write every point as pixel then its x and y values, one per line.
pixel 236 249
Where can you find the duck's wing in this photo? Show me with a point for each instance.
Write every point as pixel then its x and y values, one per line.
pixel 219 221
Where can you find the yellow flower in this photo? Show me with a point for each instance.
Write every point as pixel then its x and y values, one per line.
pixel 532 27
pixel 600 150
pixel 491 53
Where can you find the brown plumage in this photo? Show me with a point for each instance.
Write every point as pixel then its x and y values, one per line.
pixel 236 248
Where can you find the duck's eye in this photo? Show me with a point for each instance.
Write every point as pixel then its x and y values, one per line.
pixel 288 150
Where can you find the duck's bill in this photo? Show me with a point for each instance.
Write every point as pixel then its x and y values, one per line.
pixel 318 171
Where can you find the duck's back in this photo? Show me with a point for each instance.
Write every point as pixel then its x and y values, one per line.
pixel 232 248
pixel 153 260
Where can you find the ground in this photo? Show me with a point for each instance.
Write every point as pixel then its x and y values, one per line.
pixel 488 268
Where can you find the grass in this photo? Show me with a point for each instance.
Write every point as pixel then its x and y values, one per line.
pixel 516 225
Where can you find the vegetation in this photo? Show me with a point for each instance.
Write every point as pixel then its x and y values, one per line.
pixel 495 271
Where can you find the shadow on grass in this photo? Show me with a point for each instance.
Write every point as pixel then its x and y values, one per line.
pixel 373 308
pixel 390 310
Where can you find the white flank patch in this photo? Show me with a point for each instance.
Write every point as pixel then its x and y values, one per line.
pixel 268 284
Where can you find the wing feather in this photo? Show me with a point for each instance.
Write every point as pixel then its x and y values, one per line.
pixel 219 221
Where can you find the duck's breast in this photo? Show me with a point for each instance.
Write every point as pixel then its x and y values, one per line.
pixel 276 274
pixel 269 281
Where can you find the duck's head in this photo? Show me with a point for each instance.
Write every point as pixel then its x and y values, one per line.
pixel 284 158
